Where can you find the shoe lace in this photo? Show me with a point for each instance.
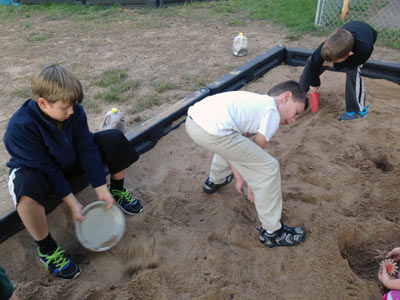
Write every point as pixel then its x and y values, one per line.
pixel 58 259
pixel 123 195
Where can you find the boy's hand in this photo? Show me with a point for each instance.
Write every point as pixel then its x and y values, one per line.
pixel 239 182
pixel 314 89
pixel 394 254
pixel 75 208
pixel 250 194
pixel 103 194
pixel 76 213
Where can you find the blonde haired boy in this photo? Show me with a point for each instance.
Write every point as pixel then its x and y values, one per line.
pixel 49 142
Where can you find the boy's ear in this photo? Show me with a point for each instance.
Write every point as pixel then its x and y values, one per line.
pixel 286 96
pixel 351 53
pixel 42 102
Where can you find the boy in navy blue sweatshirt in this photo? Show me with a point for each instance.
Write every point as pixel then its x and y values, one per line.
pixel 346 49
pixel 48 139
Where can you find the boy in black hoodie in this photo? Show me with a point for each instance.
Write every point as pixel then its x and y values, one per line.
pixel 346 49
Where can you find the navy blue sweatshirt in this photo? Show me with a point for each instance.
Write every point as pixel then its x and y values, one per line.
pixel 34 141
pixel 364 40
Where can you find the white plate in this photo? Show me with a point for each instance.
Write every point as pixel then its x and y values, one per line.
pixel 102 228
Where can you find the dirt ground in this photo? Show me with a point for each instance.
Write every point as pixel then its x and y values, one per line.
pixel 340 180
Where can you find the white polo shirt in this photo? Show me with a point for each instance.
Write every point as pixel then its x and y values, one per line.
pixel 237 111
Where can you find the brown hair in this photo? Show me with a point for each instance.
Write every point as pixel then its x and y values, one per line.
pixel 337 45
pixel 55 83
pixel 298 93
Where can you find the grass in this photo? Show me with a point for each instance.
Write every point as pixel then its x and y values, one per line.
pixel 162 86
pixel 109 77
pixel 297 16
pixel 91 105
pixel 115 86
pixel 40 37
pixel 145 103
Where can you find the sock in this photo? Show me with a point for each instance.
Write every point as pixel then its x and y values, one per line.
pixel 271 232
pixel 48 245
pixel 117 184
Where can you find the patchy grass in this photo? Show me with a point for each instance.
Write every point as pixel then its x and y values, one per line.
pixel 40 37
pixel 92 105
pixel 298 16
pixel 145 103
pixel 162 86
pixel 109 77
pixel 115 87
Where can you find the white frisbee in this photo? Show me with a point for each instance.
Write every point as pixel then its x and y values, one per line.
pixel 102 229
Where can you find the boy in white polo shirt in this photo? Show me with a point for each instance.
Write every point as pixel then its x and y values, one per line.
pixel 222 124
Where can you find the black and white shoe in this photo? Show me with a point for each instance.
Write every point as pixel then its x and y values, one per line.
pixel 286 236
pixel 210 187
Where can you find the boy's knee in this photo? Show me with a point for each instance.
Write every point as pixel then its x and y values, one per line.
pixel 108 136
pixel 27 201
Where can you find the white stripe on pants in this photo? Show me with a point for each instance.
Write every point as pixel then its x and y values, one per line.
pixel 258 168
pixel 355 90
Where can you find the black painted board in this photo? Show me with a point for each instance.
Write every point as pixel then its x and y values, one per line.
pixel 146 135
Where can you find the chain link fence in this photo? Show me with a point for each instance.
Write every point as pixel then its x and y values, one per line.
pixel 383 15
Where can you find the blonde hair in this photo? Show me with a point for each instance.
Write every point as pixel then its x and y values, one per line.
pixel 338 45
pixel 55 83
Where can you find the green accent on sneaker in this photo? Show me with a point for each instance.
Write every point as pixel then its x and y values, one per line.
pixel 125 200
pixel 57 257
pixel 59 264
pixel 123 196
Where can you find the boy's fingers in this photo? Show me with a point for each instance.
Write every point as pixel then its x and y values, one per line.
pixel 109 205
pixel 79 219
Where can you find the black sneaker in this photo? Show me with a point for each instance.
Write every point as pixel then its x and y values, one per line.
pixel 286 236
pixel 125 200
pixel 59 264
pixel 210 187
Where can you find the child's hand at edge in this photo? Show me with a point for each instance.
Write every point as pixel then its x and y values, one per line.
pixel 383 275
pixel 388 281
pixel 103 194
pixel 394 254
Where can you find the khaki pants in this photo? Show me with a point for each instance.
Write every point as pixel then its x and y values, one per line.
pixel 259 169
